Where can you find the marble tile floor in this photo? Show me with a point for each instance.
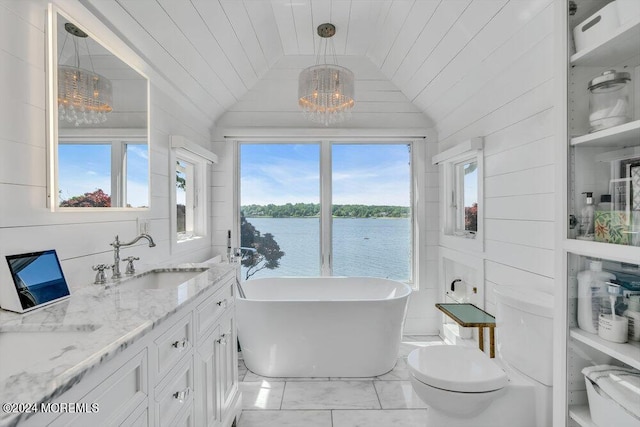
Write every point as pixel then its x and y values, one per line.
pixel 384 401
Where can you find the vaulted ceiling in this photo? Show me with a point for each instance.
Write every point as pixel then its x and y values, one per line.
pixel 215 51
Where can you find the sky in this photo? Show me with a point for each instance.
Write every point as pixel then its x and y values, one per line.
pixel 368 174
pixel 84 168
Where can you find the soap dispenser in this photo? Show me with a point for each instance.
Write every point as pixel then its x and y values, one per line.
pixel 586 218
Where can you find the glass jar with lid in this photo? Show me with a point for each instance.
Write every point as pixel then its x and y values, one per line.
pixel 609 100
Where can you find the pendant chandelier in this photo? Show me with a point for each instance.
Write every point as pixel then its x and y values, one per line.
pixel 325 91
pixel 84 97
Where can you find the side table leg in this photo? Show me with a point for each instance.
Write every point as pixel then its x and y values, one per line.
pixel 481 337
pixel 492 342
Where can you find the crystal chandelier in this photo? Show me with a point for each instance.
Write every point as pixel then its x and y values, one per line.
pixel 84 97
pixel 325 91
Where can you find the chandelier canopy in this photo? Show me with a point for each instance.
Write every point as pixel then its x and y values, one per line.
pixel 326 91
pixel 84 97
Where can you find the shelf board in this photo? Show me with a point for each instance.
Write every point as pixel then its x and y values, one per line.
pixel 622 45
pixel 625 135
pixel 622 253
pixel 628 353
pixel 581 415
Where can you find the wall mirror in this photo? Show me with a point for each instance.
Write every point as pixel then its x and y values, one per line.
pixel 98 123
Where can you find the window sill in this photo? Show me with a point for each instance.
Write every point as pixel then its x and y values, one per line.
pixel 188 238
pixel 467 243
pixel 185 244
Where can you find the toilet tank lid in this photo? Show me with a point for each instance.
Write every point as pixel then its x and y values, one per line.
pixel 528 300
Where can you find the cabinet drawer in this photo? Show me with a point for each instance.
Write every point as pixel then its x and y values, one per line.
pixel 171 346
pixel 139 417
pixel 213 307
pixel 115 398
pixel 175 394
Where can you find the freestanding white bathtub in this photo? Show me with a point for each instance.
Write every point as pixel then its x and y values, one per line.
pixel 321 326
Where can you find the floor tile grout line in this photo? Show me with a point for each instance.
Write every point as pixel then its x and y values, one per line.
pixel 284 387
pixel 377 395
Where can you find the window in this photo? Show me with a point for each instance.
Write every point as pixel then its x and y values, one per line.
pixel 462 190
pixel 466 205
pixel 188 196
pixel 371 215
pixel 190 187
pixel 329 208
pixel 280 209
pixel 103 173
pixel 185 198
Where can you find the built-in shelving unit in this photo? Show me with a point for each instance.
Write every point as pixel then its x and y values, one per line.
pixel 622 253
pixel 622 45
pixel 581 415
pixel 594 161
pixel 624 135
pixel 628 353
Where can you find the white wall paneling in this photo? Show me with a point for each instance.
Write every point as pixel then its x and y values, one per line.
pixel 457 69
pixel 81 238
pixel 500 85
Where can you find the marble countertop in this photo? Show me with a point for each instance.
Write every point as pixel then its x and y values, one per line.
pixel 108 320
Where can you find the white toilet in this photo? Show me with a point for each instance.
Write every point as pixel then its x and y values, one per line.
pixel 465 388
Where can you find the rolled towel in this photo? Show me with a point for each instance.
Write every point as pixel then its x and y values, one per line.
pixel 622 385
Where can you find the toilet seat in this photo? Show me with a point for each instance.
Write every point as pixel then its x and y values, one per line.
pixel 456 368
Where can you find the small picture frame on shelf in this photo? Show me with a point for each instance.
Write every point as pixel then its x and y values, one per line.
pixel 620 190
pixel 631 169
pixel 614 226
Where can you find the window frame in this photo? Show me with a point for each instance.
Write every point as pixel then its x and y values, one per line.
pixel 199 238
pixel 325 191
pixel 459 207
pixel 451 233
pixel 118 145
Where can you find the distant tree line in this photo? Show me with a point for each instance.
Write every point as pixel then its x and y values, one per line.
pixel 306 210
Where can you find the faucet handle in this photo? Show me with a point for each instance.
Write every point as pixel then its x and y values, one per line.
pixel 131 269
pixel 101 278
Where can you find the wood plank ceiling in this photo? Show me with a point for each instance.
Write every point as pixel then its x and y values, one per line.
pixel 216 50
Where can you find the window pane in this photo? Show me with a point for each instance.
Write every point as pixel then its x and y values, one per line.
pixel 470 196
pixel 84 175
pixel 137 182
pixel 371 186
pixel 280 197
pixel 184 198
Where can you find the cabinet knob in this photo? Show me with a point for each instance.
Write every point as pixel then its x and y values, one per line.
pixel 222 303
pixel 222 340
pixel 181 396
pixel 181 345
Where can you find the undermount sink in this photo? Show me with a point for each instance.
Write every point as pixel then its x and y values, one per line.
pixel 23 350
pixel 162 278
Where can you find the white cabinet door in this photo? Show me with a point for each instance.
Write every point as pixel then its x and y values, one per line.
pixel 174 394
pixel 228 360
pixel 207 401
pixel 114 398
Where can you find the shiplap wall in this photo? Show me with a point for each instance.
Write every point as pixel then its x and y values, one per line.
pixel 272 102
pixel 505 94
pixel 26 224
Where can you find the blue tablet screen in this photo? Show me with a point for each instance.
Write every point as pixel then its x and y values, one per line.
pixel 38 278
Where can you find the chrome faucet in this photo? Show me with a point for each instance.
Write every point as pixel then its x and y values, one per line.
pixel 116 252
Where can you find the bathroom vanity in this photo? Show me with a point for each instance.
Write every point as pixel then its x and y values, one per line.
pixel 155 350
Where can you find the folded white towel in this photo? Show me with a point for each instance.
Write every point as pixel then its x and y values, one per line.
pixel 622 385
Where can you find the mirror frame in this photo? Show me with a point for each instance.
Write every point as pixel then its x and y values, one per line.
pixel 128 56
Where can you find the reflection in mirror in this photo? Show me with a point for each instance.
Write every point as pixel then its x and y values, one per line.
pixel 100 152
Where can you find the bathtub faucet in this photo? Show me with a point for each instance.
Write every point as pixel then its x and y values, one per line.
pixel 116 252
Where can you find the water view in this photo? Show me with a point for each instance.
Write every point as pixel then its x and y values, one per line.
pixel 379 247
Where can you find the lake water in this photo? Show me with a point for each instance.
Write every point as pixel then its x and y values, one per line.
pixel 361 246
